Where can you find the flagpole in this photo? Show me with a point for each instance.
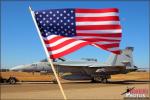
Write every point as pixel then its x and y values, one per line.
pixel 47 54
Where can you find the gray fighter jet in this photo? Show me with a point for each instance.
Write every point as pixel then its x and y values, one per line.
pixel 87 69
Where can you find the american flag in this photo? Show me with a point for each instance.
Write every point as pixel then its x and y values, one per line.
pixel 67 30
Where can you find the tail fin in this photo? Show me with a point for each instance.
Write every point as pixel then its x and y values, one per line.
pixel 124 59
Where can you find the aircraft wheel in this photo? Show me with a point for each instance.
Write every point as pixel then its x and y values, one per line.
pixel 12 80
pixel 55 81
pixel 104 80
pixel 93 81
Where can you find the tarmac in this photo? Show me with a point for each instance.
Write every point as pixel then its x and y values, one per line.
pixel 73 90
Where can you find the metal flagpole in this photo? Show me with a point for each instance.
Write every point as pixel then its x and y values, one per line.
pixel 47 54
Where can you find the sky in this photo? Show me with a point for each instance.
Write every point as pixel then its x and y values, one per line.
pixel 20 43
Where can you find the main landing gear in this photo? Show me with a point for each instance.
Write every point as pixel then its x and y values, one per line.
pixel 100 77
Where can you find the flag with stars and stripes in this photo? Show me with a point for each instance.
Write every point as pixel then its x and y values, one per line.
pixel 67 30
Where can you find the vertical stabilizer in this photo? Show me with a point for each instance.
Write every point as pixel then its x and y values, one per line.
pixel 124 59
pixel 112 59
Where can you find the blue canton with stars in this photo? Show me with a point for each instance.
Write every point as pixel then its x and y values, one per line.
pixel 56 22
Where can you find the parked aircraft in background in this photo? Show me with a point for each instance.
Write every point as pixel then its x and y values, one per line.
pixel 87 69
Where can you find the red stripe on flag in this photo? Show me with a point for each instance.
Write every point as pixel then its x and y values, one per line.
pixel 112 45
pixel 100 35
pixel 96 10
pixel 61 45
pixel 109 18
pixel 53 40
pixel 98 40
pixel 58 55
pixel 98 27
pixel 117 52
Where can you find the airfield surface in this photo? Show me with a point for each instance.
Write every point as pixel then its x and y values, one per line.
pixel 77 89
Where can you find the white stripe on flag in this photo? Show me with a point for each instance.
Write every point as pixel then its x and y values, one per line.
pixel 98 23
pixel 102 43
pixel 95 37
pixel 100 31
pixel 58 42
pixel 49 37
pixel 96 14
pixel 66 47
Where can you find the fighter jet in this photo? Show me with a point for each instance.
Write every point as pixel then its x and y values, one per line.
pixel 88 69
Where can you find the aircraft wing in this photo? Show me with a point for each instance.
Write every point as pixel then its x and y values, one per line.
pixel 81 64
pixel 100 65
pixel 75 63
